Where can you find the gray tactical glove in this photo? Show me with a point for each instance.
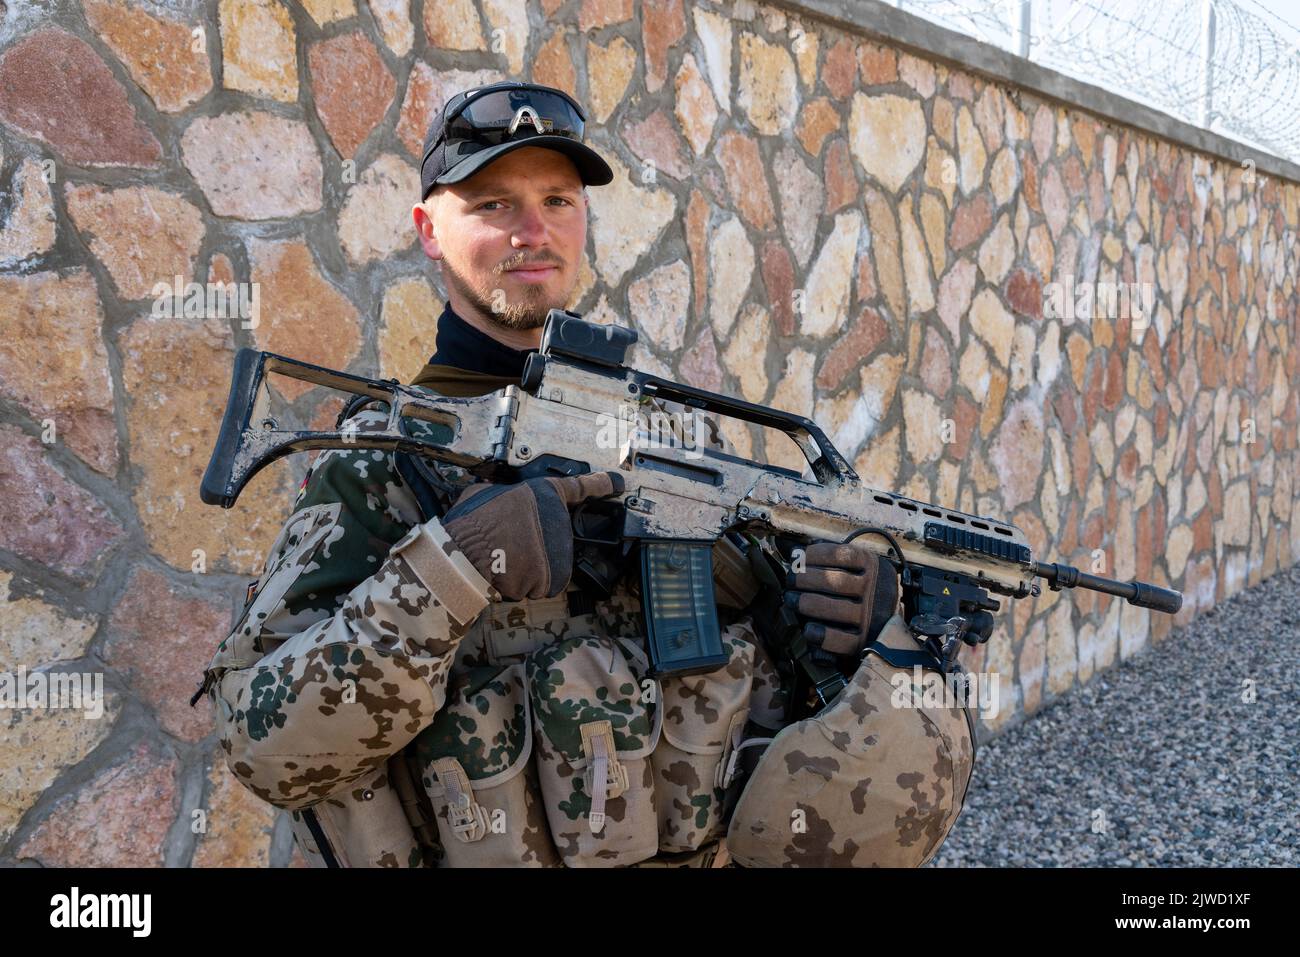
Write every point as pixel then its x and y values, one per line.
pixel 530 524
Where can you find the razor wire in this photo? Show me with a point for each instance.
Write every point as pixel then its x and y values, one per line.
pixel 1229 66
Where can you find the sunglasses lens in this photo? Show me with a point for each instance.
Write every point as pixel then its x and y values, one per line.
pixel 488 119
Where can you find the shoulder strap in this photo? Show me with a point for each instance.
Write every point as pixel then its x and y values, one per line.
pixel 416 473
pixel 352 407
pixel 904 658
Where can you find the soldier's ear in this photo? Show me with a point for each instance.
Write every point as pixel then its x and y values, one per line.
pixel 424 214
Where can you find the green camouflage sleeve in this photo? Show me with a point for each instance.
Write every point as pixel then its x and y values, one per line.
pixel 342 656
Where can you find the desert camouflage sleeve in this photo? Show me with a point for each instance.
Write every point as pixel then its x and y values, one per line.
pixel 342 656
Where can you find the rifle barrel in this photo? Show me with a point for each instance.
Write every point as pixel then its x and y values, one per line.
pixel 1142 594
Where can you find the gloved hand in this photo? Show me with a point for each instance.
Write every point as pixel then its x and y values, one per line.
pixel 530 524
pixel 845 595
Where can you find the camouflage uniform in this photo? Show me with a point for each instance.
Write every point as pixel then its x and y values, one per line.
pixel 374 689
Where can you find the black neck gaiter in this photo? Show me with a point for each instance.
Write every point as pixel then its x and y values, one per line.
pixel 461 345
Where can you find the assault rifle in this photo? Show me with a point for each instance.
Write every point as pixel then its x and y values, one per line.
pixel 678 501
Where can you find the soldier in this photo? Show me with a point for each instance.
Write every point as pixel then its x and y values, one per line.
pixel 418 677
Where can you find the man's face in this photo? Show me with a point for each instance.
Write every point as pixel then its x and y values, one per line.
pixel 526 209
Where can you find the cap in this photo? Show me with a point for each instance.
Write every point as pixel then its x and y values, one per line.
pixel 445 163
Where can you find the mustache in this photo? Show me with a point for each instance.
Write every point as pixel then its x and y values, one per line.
pixel 532 263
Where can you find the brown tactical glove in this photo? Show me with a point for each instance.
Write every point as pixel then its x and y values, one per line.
pixel 530 524
pixel 848 592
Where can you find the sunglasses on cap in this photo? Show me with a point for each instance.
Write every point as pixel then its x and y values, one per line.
pixel 498 116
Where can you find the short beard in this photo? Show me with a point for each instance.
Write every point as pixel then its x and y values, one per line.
pixel 528 314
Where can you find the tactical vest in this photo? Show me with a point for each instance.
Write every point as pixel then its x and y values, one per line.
pixel 505 777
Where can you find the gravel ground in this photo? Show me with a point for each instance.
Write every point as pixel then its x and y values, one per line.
pixel 1185 772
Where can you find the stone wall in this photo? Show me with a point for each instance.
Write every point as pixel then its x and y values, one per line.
pixel 800 216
